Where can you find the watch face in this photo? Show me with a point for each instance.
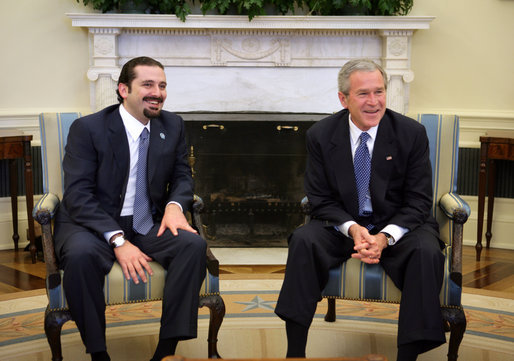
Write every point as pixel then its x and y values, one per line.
pixel 118 242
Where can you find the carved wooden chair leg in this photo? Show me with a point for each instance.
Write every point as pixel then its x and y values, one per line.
pixel 54 320
pixel 217 312
pixel 331 310
pixel 457 321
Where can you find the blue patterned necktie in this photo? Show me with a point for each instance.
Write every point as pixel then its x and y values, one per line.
pixel 142 219
pixel 362 167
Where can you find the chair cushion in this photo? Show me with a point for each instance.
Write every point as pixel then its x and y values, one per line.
pixel 118 290
pixel 373 284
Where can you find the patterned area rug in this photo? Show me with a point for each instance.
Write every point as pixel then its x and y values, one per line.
pixel 18 326
pixel 28 325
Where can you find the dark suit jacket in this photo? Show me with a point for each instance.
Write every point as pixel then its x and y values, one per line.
pixel 400 183
pixel 96 168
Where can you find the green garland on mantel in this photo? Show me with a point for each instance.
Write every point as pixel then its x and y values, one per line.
pixel 252 8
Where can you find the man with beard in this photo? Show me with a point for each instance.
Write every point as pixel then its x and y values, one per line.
pixel 127 185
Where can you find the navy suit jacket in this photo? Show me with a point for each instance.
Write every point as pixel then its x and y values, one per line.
pixel 96 169
pixel 401 175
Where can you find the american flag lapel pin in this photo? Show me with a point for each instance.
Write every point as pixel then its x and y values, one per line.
pixel 389 157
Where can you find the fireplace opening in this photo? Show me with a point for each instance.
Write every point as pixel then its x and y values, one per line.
pixel 249 168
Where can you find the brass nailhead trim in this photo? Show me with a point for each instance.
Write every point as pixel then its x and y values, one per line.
pixel 135 301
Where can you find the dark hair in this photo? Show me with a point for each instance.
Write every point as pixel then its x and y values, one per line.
pixel 128 73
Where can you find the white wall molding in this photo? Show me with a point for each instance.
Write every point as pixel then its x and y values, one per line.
pixel 475 123
pixel 6 225
pixel 503 223
pixel 26 123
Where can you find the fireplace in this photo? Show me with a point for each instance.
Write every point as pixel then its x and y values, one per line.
pixel 259 85
pixel 248 168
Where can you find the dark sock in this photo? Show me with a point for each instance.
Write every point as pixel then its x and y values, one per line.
pixel 165 347
pixel 100 356
pixel 296 339
pixel 408 352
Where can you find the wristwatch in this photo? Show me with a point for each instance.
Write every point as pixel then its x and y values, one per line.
pixel 390 239
pixel 118 241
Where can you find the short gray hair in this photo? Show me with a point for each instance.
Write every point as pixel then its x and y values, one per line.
pixel 343 79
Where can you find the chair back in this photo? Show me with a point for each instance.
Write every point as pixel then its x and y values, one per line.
pixel 443 136
pixel 54 129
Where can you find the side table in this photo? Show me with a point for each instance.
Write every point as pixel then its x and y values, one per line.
pixel 491 149
pixel 12 146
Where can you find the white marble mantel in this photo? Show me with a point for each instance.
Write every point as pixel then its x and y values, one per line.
pixel 272 63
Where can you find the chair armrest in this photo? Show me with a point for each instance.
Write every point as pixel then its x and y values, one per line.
pixel 43 213
pixel 457 210
pixel 45 208
pixel 305 205
pixel 454 207
pixel 213 264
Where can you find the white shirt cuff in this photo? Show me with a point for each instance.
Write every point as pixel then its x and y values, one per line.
pixel 108 235
pixel 177 203
pixel 343 228
pixel 396 231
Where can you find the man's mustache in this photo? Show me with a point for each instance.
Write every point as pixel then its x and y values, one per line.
pixel 158 99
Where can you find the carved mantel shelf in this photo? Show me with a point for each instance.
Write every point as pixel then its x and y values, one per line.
pixel 301 53
pixel 155 21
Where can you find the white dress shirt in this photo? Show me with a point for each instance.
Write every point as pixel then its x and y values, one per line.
pixel 133 128
pixel 394 230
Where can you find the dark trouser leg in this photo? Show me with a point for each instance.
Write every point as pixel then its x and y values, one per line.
pixel 165 347
pixel 415 264
pixel 313 250
pixel 184 259
pixel 296 339
pixel 86 260
pixel 408 352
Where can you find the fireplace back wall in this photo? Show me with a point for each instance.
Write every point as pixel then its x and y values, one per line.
pixel 248 168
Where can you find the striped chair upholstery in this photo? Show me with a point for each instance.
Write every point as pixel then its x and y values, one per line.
pixel 117 290
pixel 54 133
pixel 355 280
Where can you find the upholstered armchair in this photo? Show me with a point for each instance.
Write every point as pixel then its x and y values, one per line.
pixel 54 130
pixel 355 280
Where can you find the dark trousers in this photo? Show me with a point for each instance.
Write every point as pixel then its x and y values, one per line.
pixel 86 259
pixel 415 264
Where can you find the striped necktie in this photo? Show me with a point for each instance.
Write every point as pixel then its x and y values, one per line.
pixel 142 219
pixel 362 168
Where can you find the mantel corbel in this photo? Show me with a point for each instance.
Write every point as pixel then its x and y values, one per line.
pixel 104 71
pixel 94 73
pixel 396 45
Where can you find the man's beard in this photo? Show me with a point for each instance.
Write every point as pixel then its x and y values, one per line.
pixel 149 113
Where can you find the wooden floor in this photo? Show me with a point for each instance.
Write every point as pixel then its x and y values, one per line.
pixel 493 275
